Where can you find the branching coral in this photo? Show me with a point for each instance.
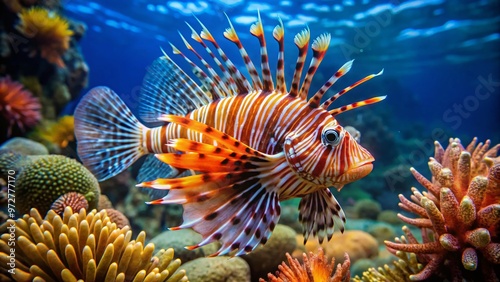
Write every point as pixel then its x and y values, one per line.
pixel 82 246
pixel 459 215
pixel 49 32
pixel 315 268
pixel 399 271
pixel 18 107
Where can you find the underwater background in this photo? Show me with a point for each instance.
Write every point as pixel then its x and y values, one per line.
pixel 440 59
pixel 441 62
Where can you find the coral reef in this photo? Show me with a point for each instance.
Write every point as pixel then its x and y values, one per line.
pixel 217 269
pixel 459 214
pixel 179 239
pixel 25 146
pixel 48 32
pixel 367 208
pixel 356 243
pixel 41 180
pixel 19 110
pixel 399 271
pixel 117 217
pixel 58 133
pixel 266 258
pixel 314 268
pixel 82 246
pixel 39 48
pixel 74 200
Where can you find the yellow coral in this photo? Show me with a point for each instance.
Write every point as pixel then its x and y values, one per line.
pixel 60 132
pixel 48 31
pixel 82 246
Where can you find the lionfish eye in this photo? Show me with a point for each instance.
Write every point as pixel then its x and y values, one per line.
pixel 332 137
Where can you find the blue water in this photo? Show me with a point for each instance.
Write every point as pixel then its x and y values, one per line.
pixel 440 58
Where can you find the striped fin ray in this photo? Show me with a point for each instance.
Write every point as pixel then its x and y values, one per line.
pixel 241 81
pixel 356 105
pixel 302 41
pixel 279 35
pixel 319 46
pixel 315 100
pixel 234 199
pixel 319 211
pixel 109 136
pixel 221 86
pixel 328 102
pixel 257 30
pixel 230 84
pixel 207 82
pixel 232 36
pixel 218 136
pixel 167 88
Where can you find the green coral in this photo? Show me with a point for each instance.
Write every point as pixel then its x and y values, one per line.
pixel 41 180
pixel 367 208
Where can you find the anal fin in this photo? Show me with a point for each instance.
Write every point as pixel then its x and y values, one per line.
pixel 319 211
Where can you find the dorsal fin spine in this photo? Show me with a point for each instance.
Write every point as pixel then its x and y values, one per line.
pixel 229 83
pixel 302 41
pixel 215 77
pixel 328 102
pixel 315 100
pixel 319 46
pixel 204 78
pixel 257 30
pixel 232 36
pixel 241 81
pixel 279 35
pixel 356 105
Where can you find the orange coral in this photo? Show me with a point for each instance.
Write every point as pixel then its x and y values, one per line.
pixel 74 200
pixel 459 215
pixel 48 31
pixel 315 268
pixel 18 106
pixel 61 132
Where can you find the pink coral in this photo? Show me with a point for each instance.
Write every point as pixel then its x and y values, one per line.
pixel 459 215
pixel 18 107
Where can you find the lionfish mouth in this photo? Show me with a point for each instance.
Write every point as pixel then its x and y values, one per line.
pixel 358 171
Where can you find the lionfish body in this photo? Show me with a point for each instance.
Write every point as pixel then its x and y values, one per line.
pixel 245 145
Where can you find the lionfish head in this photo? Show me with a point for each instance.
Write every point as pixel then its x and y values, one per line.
pixel 329 156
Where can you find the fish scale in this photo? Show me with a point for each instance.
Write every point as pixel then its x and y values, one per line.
pixel 235 148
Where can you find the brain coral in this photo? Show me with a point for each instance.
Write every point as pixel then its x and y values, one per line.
pixel 41 180
pixel 82 246
pixel 458 215
pixel 49 33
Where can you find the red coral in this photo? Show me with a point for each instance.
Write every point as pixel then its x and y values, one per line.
pixel 459 214
pixel 18 107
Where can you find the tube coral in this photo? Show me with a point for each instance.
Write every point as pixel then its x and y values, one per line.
pixel 82 246
pixel 47 31
pixel 459 214
pixel 18 107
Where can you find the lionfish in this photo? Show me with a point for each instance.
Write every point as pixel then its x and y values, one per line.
pixel 246 145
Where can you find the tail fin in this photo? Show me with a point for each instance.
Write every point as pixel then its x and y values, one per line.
pixel 109 136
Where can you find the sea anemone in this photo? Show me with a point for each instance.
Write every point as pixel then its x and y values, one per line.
pixel 61 132
pixel 81 246
pixel 458 215
pixel 47 31
pixel 18 107
pixel 315 268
